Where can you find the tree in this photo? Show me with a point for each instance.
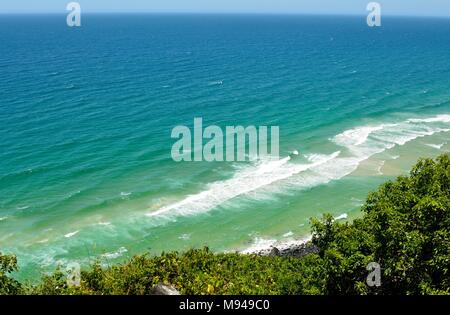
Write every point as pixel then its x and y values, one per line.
pixel 405 229
pixel 8 264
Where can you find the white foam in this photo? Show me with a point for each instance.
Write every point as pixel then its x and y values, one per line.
pixel 359 144
pixel 370 139
pixel 247 180
pixel 259 244
pixel 3 218
pixel 288 234
pixel 116 254
pixel 343 216
pixel 220 82
pixel 356 136
pixel 380 167
pixel 184 237
pixel 68 235
pixel 364 142
pixel 263 245
pixel 439 118
pixel 436 146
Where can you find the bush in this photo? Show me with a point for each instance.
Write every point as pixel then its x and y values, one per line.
pixel 406 229
pixel 8 264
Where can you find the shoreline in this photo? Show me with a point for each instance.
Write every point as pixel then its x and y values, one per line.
pixel 293 248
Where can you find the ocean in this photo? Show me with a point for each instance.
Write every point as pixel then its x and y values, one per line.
pixel 86 116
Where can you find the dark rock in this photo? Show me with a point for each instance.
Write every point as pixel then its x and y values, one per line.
pixel 164 289
pixel 274 252
pixel 300 250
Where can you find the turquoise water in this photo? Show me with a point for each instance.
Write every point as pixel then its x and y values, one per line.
pixel 86 116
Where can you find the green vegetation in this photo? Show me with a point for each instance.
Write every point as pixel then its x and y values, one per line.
pixel 405 228
pixel 8 264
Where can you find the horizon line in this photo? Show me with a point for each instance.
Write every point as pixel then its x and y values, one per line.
pixel 222 13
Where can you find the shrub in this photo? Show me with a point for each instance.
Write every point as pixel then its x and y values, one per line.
pixel 8 264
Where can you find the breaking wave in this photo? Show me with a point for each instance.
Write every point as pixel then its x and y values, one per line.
pixel 358 144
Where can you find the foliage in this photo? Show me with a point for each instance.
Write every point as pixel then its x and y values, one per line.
pixel 406 229
pixel 197 271
pixel 8 264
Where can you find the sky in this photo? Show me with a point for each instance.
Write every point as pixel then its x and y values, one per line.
pixel 389 7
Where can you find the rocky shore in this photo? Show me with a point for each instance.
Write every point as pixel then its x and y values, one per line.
pixel 291 249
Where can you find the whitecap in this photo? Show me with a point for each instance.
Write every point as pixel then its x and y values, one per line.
pixel 247 180
pixel 439 118
pixel 343 216
pixel 359 144
pixel 356 136
pixel 184 237
pixel 68 235
pixel 435 146
pixel 104 223
pixel 366 141
pixel 220 82
pixel 116 254
pixel 380 167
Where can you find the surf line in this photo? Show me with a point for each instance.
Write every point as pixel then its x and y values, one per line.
pixel 236 143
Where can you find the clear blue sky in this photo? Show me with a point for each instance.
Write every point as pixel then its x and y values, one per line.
pixel 389 7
